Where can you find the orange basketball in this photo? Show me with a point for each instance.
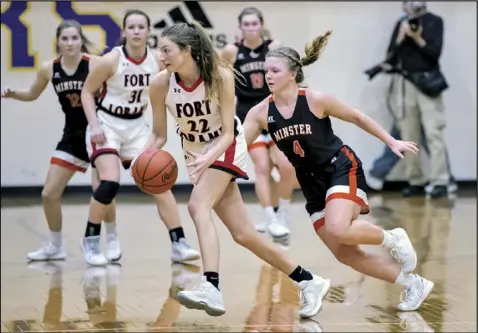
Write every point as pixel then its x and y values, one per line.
pixel 155 171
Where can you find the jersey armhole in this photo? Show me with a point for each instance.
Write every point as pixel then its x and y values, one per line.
pixel 306 95
pixel 168 90
pixel 116 65
pixel 51 67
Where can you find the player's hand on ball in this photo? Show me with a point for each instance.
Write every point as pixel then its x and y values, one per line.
pixel 98 135
pixel 132 164
pixel 8 93
pixel 198 164
pixel 399 147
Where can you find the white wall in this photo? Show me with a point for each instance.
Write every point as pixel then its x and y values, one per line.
pixel 361 33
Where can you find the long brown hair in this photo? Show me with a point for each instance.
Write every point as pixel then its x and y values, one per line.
pixel 193 36
pixel 313 50
pixel 74 24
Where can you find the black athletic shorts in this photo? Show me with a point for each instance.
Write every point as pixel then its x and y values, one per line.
pixel 71 152
pixel 341 177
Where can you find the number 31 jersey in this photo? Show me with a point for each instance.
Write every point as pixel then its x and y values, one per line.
pixel 126 93
pixel 199 120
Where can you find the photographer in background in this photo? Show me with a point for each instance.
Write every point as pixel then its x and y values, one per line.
pixel 413 53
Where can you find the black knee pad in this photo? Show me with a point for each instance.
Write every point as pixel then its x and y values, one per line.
pixel 106 192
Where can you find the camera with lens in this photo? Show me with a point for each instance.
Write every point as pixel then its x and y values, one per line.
pixel 416 9
pixel 373 71
pixel 414 24
pixel 382 67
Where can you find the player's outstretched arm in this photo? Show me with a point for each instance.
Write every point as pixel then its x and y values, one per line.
pixel 327 105
pixel 36 88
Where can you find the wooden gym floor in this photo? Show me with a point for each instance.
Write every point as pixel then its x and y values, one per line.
pixel 135 296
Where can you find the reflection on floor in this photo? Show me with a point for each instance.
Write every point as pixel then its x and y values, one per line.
pixel 138 295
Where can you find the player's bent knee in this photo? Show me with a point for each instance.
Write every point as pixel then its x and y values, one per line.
pixel 243 237
pixel 345 254
pixel 106 192
pixel 340 235
pixel 50 196
pixel 262 170
pixel 197 208
pixel 336 230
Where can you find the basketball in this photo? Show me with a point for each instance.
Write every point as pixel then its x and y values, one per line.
pixel 155 171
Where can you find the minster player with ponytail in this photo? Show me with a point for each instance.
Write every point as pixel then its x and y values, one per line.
pixel 330 173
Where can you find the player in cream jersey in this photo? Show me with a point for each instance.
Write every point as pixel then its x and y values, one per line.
pixel 194 76
pixel 118 130
pixel 122 103
pixel 124 99
pixel 125 94
pixel 199 125
pixel 198 119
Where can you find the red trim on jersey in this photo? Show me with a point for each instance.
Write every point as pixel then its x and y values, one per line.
pixel 300 92
pixel 103 92
pixel 137 62
pixel 228 162
pixel 134 61
pixel 85 57
pixel 352 195
pixel 66 164
pixel 97 152
pixel 319 223
pixel 193 87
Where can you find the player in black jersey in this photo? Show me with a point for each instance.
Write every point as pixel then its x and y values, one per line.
pixel 330 173
pixel 248 56
pixel 67 73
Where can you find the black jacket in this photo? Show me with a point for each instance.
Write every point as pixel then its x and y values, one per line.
pixel 410 57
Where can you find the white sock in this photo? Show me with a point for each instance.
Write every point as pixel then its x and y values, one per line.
pixel 405 280
pixel 110 228
pixel 387 239
pixel 269 212
pixel 284 204
pixel 55 238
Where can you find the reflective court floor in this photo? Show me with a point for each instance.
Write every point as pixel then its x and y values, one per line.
pixel 138 294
